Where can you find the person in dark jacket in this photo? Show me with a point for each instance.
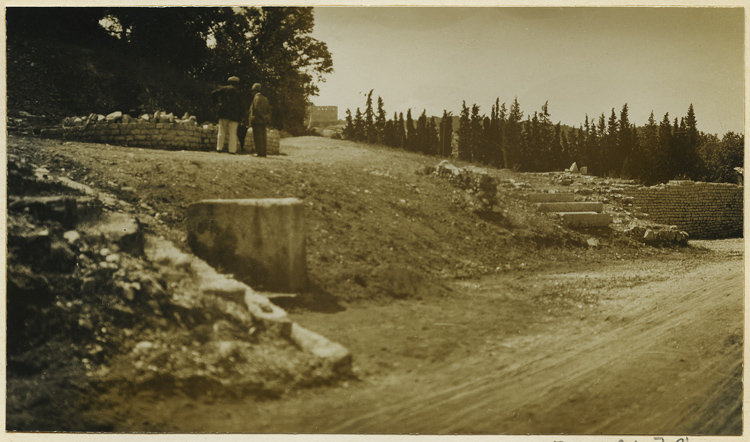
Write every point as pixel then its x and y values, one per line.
pixel 246 97
pixel 230 113
pixel 260 117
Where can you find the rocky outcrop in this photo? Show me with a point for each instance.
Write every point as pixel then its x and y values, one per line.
pixel 655 234
pixel 475 181
pixel 90 289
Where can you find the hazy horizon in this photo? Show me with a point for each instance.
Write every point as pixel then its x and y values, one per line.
pixel 582 60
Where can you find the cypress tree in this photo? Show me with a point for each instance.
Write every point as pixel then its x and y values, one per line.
pixel 477 146
pixel 411 138
pixel 556 149
pixel 547 140
pixel 665 167
pixel 677 149
pixel 433 138
pixel 513 134
pixel 646 157
pixel 359 126
pixel 626 138
pixel 446 134
pixel 369 117
pixel 421 133
pixel 609 145
pixel 692 140
pixel 566 149
pixel 464 134
pixel 380 121
pixel 401 131
pixel 348 132
pixel 599 145
pixel 500 136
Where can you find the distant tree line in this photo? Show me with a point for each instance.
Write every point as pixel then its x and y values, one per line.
pixel 614 146
pixel 269 45
pixel 424 135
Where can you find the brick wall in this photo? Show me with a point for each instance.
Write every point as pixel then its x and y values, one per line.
pixel 704 210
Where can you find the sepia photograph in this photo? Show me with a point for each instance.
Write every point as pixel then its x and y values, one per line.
pixel 375 220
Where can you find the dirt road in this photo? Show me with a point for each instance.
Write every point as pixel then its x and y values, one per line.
pixel 655 348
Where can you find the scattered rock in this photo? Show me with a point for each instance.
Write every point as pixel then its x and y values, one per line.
pixel 72 236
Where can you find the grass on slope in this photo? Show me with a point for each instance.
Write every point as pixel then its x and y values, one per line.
pixel 376 227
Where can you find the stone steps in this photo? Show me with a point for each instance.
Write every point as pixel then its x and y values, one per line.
pixel 551 197
pixel 585 219
pixel 572 213
pixel 583 206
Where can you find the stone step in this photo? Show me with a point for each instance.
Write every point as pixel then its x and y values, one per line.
pixel 551 197
pixel 585 219
pixel 582 206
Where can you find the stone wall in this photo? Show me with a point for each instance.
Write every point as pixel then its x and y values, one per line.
pixel 158 132
pixel 140 133
pixel 703 210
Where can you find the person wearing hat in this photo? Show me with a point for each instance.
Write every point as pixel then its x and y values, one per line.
pixel 230 113
pixel 260 118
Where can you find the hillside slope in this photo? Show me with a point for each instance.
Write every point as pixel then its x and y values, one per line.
pixel 502 307
pixel 373 218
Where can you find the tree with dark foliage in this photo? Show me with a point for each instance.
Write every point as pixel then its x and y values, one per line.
pixel 271 46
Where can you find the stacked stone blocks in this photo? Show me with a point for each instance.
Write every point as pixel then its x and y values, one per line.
pixel 703 210
pixel 155 133
pixel 572 213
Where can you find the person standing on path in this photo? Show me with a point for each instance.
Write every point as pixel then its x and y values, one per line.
pixel 230 113
pixel 260 117
pixel 246 98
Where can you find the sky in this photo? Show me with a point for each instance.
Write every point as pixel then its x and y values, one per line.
pixel 581 60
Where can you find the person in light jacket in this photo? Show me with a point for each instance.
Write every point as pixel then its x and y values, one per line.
pixel 260 118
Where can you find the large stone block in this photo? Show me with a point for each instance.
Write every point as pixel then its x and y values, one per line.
pixel 585 219
pixel 551 197
pixel 260 241
pixel 582 206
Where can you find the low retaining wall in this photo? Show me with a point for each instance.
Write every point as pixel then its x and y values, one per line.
pixel 184 135
pixel 140 133
pixel 703 210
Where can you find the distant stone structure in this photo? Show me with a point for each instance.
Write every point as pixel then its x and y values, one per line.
pixel 322 115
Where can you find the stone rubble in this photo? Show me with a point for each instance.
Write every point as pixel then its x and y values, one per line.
pixel 95 267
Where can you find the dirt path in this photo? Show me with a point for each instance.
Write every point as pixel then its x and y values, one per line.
pixel 661 357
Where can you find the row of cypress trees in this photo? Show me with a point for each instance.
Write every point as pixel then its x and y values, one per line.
pixel 425 135
pixel 614 146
